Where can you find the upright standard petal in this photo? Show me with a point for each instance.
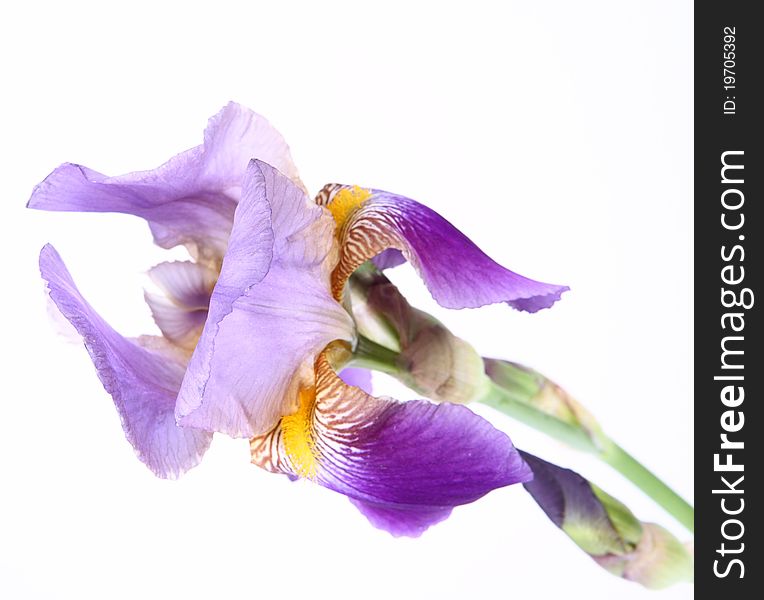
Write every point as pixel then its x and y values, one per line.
pixel 191 198
pixel 404 464
pixel 181 311
pixel 457 273
pixel 142 381
pixel 271 312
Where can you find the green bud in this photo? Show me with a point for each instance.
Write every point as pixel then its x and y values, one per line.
pixel 606 529
pixel 440 365
pixel 658 561
pixel 430 359
pixel 531 388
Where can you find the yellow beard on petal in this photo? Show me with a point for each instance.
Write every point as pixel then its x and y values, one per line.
pixel 345 202
pixel 297 435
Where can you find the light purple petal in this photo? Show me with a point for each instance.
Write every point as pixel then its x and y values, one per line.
pixel 406 463
pixel 457 273
pixel 181 311
pixel 389 259
pixel 360 378
pixel 191 198
pixel 186 283
pixel 142 381
pixel 235 136
pixel 269 317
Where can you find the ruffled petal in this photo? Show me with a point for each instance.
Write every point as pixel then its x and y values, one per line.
pixel 405 464
pixel 237 135
pixel 191 198
pixel 142 379
pixel 181 312
pixel 457 273
pixel 270 314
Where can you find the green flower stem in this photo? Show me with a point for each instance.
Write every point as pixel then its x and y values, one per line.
pixel 506 402
pixel 596 443
pixel 370 355
pixel 512 401
pixel 639 475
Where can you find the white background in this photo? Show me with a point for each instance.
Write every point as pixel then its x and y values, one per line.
pixel 557 136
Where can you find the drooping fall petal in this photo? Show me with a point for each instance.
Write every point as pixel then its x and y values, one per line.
pixel 143 379
pixel 188 200
pixel 270 313
pixel 457 273
pixel 405 464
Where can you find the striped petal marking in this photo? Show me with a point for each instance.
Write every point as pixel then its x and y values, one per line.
pixel 404 464
pixel 457 273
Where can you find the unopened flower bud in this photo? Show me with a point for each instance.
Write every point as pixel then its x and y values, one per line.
pixel 530 387
pixel 606 529
pixel 431 360
pixel 442 366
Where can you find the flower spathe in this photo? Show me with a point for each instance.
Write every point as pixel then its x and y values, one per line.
pixel 250 325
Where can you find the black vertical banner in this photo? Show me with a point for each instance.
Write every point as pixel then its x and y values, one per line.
pixel 729 368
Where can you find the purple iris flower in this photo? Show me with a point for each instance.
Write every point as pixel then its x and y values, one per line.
pixel 254 329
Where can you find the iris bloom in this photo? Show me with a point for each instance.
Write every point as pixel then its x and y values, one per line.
pixel 254 329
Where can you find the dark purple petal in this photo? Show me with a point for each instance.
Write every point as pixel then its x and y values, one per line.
pixel 421 454
pixel 143 381
pixel 410 521
pixel 457 273
pixel 408 463
pixel 270 314
pixel 191 198
pixel 556 489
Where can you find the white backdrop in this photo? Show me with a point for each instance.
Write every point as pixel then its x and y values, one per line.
pixel 557 136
